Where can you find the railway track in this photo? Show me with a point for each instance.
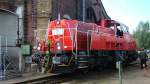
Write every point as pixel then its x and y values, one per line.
pixel 62 78
pixel 57 79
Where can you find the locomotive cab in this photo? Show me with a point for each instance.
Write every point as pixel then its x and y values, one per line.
pixel 119 28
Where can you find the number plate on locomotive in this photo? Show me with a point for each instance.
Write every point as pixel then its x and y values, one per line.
pixel 56 60
pixel 58 31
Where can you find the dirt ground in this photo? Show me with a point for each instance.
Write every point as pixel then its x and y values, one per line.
pixel 131 75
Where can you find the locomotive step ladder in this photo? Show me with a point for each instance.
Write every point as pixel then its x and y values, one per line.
pixel 82 67
pixel 83 61
pixel 64 65
pixel 83 57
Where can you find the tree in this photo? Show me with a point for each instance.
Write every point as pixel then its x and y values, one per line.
pixel 141 34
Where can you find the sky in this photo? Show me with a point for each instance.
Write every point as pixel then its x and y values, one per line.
pixel 128 12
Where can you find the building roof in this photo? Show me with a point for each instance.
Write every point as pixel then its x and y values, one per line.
pixel 7 11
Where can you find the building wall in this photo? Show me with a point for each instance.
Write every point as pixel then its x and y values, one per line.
pixel 74 8
pixel 43 17
pixel 44 8
pixel 29 21
pixel 36 17
pixel 9 27
pixel 64 7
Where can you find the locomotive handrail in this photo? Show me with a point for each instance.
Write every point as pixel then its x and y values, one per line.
pixel 88 45
pixel 76 43
pixel 71 36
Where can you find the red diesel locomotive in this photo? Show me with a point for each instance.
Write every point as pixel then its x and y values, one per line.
pixel 79 45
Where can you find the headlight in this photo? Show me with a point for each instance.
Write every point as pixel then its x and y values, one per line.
pixel 58 48
pixel 58 45
pixel 58 31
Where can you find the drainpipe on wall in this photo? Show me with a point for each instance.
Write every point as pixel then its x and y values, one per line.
pixel 20 13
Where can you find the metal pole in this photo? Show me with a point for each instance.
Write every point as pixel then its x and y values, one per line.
pixel 120 72
pixel 76 46
pixel 18 31
pixel 0 61
pixel 4 57
pixel 83 10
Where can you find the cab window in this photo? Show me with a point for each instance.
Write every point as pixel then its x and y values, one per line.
pixel 124 28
